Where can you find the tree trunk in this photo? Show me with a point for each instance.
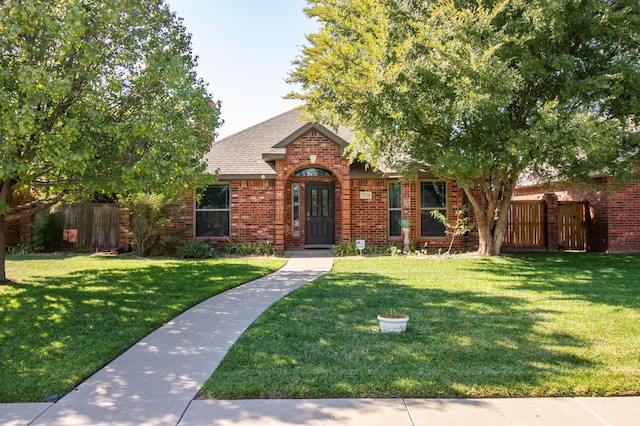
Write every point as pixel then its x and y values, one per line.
pixel 491 217
pixel 6 194
pixel 3 253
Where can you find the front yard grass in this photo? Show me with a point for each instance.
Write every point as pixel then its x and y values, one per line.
pixel 560 325
pixel 64 317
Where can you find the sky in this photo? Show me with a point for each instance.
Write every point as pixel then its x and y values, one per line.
pixel 244 50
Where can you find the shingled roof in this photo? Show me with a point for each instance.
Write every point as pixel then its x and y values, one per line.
pixel 250 152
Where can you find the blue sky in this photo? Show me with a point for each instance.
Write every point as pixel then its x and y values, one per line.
pixel 245 49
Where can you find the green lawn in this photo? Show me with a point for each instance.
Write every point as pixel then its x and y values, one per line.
pixel 562 324
pixel 64 317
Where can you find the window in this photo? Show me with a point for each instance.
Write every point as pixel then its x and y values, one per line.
pixel 433 196
pixel 313 172
pixel 395 209
pixel 213 211
pixel 296 209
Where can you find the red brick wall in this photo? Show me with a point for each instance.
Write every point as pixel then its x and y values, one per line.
pixel 19 229
pixel 253 211
pixel 370 217
pixel 624 219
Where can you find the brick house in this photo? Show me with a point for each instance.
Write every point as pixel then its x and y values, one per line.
pixel 287 182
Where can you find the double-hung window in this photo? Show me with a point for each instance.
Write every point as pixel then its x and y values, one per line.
pixel 213 209
pixel 395 209
pixel 433 196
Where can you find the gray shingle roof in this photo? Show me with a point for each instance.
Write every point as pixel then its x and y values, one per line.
pixel 246 153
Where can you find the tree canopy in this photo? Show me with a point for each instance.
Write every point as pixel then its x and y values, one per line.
pixel 97 96
pixel 479 91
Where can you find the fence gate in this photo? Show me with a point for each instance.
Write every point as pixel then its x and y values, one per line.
pixel 572 225
pixel 526 225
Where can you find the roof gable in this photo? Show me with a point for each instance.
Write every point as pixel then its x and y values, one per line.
pixel 249 153
pixel 321 129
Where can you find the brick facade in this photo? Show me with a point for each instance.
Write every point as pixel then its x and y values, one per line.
pixel 262 209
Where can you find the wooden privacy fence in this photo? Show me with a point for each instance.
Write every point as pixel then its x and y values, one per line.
pixel 526 225
pixel 572 225
pixel 537 225
pixel 90 225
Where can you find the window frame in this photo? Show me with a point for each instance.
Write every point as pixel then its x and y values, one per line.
pixel 391 210
pixel 227 210
pixel 295 209
pixel 444 210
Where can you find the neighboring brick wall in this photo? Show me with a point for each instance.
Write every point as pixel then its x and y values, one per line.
pixel 624 219
pixel 19 229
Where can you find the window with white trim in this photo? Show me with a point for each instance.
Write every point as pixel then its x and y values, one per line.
pixel 213 208
pixel 433 196
pixel 395 209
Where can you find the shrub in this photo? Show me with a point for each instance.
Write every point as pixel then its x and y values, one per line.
pixel 149 219
pixel 346 248
pixel 22 248
pixel 246 248
pixel 46 232
pixel 196 249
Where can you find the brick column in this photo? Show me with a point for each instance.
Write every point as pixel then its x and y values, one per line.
pixel 552 221
pixel 279 199
pixel 345 184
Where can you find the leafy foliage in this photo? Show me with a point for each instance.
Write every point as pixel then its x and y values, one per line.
pixel 196 249
pixel 46 232
pixel 248 248
pixel 479 92
pixel 149 218
pixel 348 248
pixel 98 97
pixel 461 226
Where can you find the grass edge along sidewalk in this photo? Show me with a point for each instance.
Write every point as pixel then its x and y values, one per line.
pixel 563 324
pixel 66 316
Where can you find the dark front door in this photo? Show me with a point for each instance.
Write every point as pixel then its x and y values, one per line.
pixel 320 224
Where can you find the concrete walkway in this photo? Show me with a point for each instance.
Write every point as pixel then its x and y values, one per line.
pixel 155 381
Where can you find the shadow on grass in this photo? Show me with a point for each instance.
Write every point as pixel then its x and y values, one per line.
pixel 57 330
pixel 323 341
pixel 594 277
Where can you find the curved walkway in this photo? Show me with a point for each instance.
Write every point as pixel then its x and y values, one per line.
pixel 155 381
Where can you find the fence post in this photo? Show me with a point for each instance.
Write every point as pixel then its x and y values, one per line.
pixel 552 221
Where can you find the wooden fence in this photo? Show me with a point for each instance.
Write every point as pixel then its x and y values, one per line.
pixel 90 225
pixel 526 225
pixel 534 225
pixel 572 225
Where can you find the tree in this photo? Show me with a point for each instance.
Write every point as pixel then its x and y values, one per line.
pixel 481 92
pixel 97 96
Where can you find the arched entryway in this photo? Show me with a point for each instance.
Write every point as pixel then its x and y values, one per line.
pixel 313 207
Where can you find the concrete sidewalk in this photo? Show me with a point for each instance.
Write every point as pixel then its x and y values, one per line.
pixel 155 381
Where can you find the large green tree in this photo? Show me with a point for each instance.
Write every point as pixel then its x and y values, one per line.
pixel 97 96
pixel 479 91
